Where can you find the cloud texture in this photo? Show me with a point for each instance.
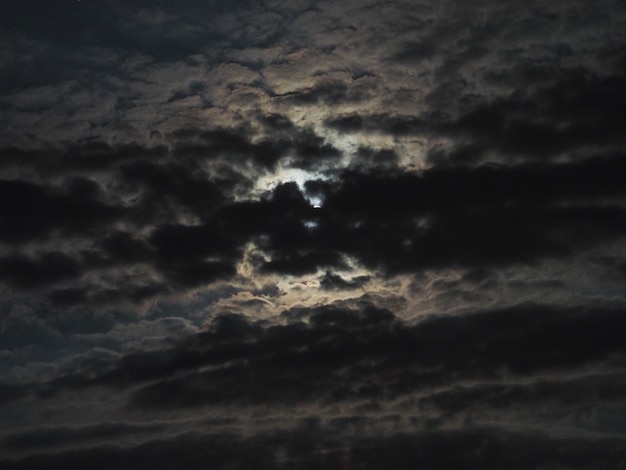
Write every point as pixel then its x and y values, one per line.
pixel 315 234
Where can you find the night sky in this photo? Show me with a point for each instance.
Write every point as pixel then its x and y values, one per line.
pixel 312 234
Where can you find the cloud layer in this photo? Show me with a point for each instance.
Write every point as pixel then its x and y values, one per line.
pixel 322 234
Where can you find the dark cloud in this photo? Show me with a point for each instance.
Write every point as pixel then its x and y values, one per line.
pixel 379 123
pixel 529 361
pixel 483 448
pixel 234 144
pixel 523 217
pixel 53 437
pixel 173 184
pixel 69 296
pixel 89 157
pixel 330 93
pixel 370 158
pixel 400 222
pixel 315 446
pixel 576 111
pixel 193 450
pixel 311 151
pixel 25 273
pixel 341 355
pixel 30 211
pixel 416 52
pixel 302 262
pixel 430 192
pixel 10 392
pixel 573 397
pixel 194 88
pixel 161 186
pixel 356 355
pixel 191 255
pixel 332 281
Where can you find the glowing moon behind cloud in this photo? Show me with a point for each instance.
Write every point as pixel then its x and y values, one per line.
pixel 269 181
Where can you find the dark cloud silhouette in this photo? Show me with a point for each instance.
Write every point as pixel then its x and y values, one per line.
pixel 379 123
pixel 334 354
pixel 171 184
pixel 26 273
pixel 468 217
pixel 10 392
pixel 400 222
pixel 351 356
pixel 51 437
pixel 416 52
pixel 331 93
pixel 332 281
pixel 579 110
pixel 31 211
pixel 308 448
pixel 312 234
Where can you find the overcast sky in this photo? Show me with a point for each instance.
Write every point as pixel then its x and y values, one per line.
pixel 312 234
